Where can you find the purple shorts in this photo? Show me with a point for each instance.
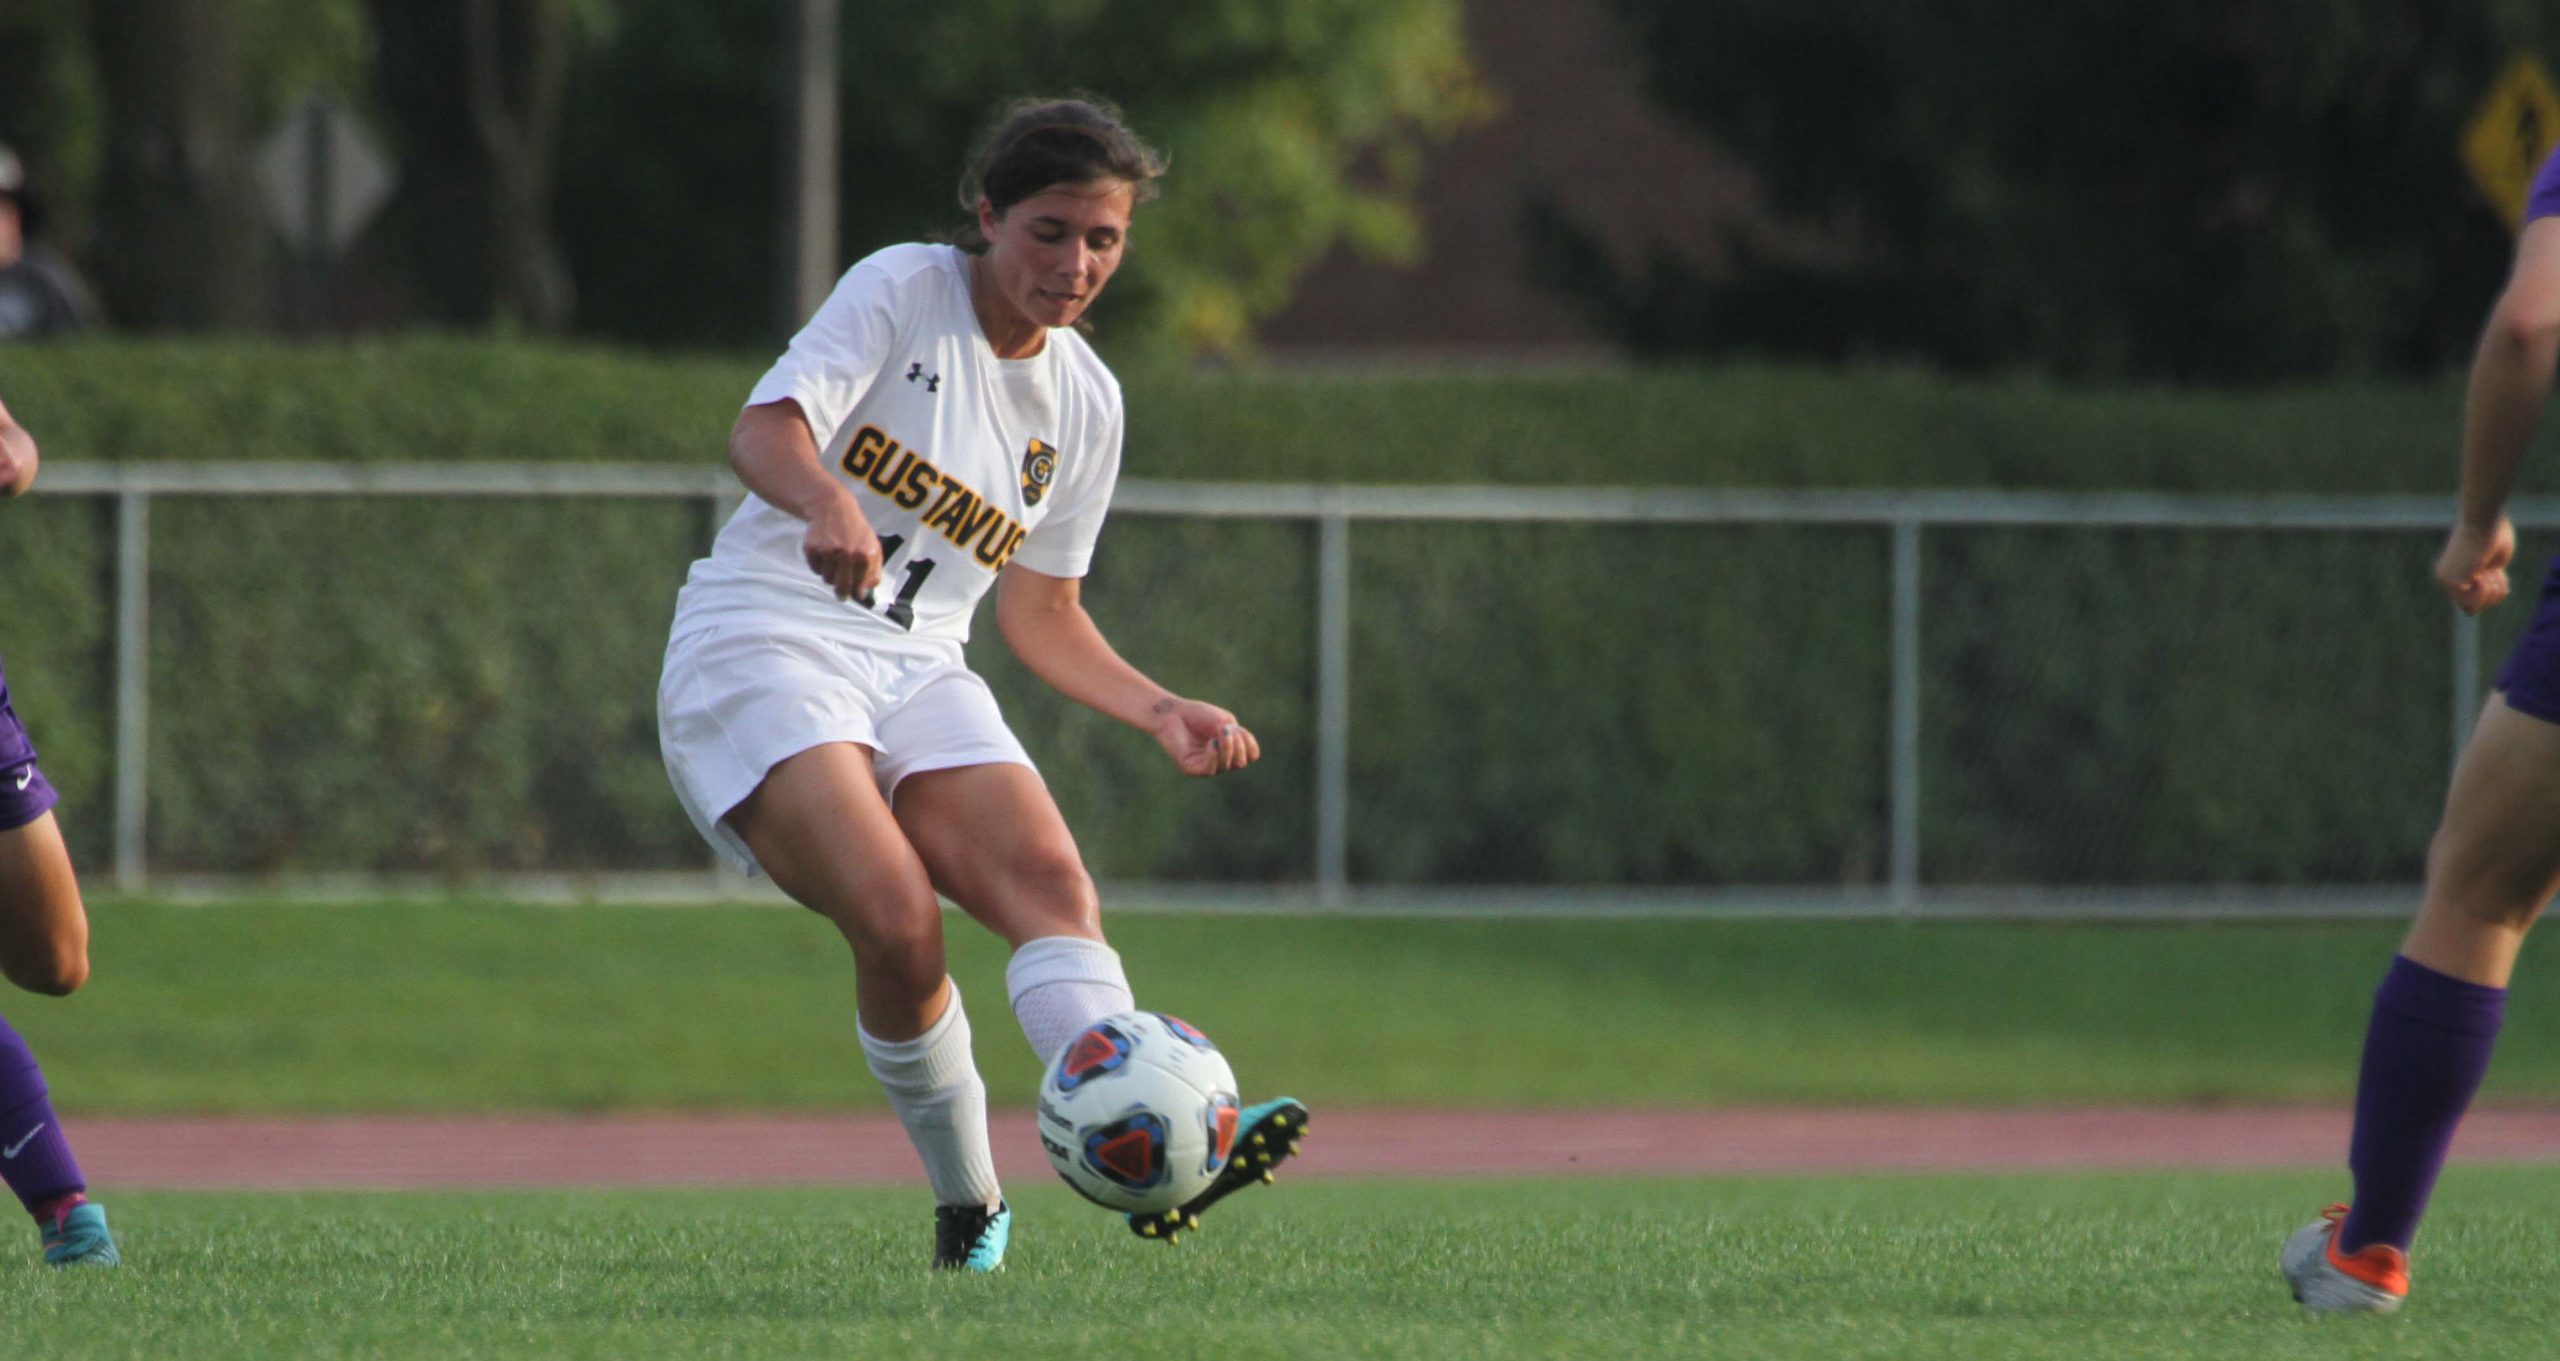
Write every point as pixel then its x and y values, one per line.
pixel 2531 678
pixel 25 794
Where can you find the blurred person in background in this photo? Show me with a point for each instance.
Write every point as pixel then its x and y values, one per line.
pixel 44 948
pixel 938 428
pixel 2495 858
pixel 40 293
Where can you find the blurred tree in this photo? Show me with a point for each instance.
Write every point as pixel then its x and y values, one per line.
pixel 179 238
pixel 653 127
pixel 51 111
pixel 475 91
pixel 1292 125
pixel 137 120
pixel 296 48
pixel 2229 189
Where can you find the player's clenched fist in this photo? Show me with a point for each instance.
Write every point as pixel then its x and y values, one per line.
pixel 2473 567
pixel 842 550
pixel 17 455
pixel 1204 739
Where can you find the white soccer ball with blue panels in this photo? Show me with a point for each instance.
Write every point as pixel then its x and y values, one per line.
pixel 1138 1112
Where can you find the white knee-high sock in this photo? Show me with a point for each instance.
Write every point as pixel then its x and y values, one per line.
pixel 934 1087
pixel 1060 985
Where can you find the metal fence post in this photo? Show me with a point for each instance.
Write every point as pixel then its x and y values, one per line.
pixel 1333 704
pixel 2466 678
pixel 1904 777
pixel 133 681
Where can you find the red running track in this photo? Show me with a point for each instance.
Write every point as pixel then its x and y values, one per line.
pixel 792 1150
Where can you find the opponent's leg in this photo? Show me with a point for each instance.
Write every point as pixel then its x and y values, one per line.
pixel 996 844
pixel 2493 864
pixel 36 1161
pixel 818 826
pixel 44 947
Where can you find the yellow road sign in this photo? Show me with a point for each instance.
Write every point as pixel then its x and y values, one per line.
pixel 2514 130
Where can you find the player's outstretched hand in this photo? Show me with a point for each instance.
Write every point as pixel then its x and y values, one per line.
pixel 2473 567
pixel 842 550
pixel 1204 739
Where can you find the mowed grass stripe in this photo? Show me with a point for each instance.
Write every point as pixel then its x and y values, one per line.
pixel 480 1008
pixel 2166 1267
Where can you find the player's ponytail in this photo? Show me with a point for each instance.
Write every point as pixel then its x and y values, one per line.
pixel 1038 144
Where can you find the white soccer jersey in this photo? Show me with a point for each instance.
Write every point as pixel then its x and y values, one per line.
pixel 961 461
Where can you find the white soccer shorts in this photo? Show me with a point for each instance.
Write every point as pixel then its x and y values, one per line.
pixel 733 702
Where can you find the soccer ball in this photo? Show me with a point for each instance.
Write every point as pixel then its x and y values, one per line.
pixel 1139 1112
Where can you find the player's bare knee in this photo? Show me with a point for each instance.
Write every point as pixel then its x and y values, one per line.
pixel 2515 908
pixel 2485 902
pixel 55 972
pixel 1053 882
pixel 903 945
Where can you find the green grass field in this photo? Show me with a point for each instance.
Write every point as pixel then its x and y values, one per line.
pixel 1979 1268
pixel 479 1007
pixel 497 1008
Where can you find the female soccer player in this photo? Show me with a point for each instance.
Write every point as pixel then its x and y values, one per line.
pixel 937 428
pixel 44 947
pixel 2495 859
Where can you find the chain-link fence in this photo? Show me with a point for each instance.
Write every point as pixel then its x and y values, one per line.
pixel 282 675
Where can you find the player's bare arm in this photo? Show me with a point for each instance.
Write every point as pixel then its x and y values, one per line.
pixel 17 456
pixel 1043 620
pixel 776 455
pixel 2511 380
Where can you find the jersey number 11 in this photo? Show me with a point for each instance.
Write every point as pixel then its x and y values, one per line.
pixel 902 611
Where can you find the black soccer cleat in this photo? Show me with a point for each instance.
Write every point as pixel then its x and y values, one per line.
pixel 1269 1136
pixel 970 1237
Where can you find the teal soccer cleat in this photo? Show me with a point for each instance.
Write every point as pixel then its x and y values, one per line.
pixel 1269 1134
pixel 970 1237
pixel 78 1237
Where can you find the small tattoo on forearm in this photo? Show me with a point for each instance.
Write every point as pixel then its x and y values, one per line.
pixel 1165 706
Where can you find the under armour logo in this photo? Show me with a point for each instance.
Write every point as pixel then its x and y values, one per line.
pixel 932 381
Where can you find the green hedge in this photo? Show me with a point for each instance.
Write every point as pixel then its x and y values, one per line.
pixel 457 687
pixel 433 399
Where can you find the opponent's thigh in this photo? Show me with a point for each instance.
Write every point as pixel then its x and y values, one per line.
pixel 996 844
pixel 44 932
pixel 820 829
pixel 2495 859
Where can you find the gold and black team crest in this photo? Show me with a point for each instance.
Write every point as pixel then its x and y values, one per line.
pixel 1039 469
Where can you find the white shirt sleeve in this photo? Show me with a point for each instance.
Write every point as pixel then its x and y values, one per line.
pixel 1062 544
pixel 834 358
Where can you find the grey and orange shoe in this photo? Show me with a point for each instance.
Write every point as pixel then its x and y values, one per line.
pixel 2373 1279
pixel 1267 1135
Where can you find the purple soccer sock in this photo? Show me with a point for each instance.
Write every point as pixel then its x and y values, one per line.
pixel 35 1158
pixel 2424 1055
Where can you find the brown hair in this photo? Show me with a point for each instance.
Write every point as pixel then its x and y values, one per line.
pixel 1037 144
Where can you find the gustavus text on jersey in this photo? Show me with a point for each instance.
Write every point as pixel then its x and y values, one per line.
pixel 943 504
